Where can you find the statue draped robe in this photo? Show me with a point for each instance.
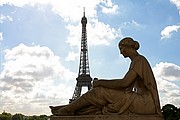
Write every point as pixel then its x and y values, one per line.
pixel 127 100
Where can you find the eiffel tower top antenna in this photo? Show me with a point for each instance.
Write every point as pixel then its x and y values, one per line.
pixel 83 11
pixel 84 78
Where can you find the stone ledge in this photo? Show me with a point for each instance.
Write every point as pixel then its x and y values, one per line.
pixel 108 117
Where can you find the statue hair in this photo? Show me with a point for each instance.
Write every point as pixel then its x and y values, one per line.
pixel 129 42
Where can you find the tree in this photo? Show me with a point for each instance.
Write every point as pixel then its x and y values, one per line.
pixel 170 112
pixel 5 116
pixel 17 117
pixel 34 117
pixel 43 117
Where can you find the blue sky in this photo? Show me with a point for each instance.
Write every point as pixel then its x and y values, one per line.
pixel 40 41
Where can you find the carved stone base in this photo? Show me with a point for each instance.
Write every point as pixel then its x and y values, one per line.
pixel 108 117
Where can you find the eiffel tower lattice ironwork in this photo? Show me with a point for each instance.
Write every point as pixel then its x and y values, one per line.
pixel 84 79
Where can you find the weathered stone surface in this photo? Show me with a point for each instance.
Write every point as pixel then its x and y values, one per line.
pixel 108 117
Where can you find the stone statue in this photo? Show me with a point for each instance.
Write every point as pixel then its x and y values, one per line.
pixel 136 93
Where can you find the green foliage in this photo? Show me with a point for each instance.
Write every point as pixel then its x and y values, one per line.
pixel 43 117
pixel 170 112
pixel 18 117
pixel 8 116
pixel 5 116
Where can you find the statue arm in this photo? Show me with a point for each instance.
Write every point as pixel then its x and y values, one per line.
pixel 117 83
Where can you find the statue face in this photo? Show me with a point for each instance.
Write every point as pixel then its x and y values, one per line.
pixel 124 51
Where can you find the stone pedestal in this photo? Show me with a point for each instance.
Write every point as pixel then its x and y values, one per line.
pixel 108 117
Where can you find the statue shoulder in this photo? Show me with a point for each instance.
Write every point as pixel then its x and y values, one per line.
pixel 140 58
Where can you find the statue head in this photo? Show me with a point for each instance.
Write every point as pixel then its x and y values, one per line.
pixel 128 47
pixel 130 43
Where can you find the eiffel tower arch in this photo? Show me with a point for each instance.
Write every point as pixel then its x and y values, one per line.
pixel 84 79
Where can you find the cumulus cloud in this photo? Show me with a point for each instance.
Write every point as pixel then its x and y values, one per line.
pixel 177 3
pixel 166 74
pixel 63 8
pixel 72 10
pixel 109 8
pixel 167 71
pixel 72 56
pixel 35 61
pixel 25 65
pixel 101 34
pixel 69 10
pixel 33 76
pixel 167 31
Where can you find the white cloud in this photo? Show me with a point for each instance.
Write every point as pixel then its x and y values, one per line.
pixel 168 71
pixel 5 18
pixel 166 74
pixel 69 10
pixel 72 56
pixel 1 36
pixel 74 37
pixel 33 78
pixel 167 31
pixel 131 24
pixel 72 10
pixel 177 3
pixel 174 93
pixel 109 7
pixel 100 33
pixel 33 63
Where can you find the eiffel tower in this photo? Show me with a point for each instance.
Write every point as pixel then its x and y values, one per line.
pixel 84 78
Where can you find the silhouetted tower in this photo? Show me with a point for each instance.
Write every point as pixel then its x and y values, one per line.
pixel 84 79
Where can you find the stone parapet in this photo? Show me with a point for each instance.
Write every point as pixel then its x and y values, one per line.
pixel 108 117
